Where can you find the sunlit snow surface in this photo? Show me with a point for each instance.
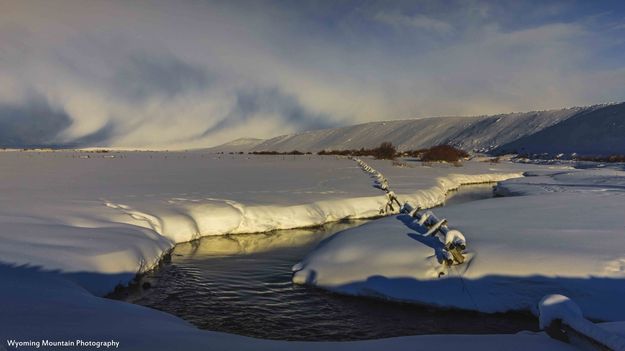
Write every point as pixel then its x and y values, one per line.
pixel 116 213
pixel 564 233
pixel 76 224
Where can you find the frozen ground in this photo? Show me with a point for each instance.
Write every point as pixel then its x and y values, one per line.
pixel 73 227
pixel 564 234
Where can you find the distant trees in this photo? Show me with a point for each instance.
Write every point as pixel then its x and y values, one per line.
pixel 388 151
pixel 294 152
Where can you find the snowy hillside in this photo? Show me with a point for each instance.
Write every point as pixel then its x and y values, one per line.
pixel 480 133
pixel 595 132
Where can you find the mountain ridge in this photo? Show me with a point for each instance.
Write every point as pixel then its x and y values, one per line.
pixel 485 133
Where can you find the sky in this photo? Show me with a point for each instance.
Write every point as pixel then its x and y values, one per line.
pixel 192 73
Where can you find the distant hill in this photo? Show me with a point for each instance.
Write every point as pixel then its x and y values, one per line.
pixel 238 145
pixel 536 131
pixel 595 132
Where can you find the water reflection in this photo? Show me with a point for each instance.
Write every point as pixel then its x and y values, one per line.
pixel 469 193
pixel 242 244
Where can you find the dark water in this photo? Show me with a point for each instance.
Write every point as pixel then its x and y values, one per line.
pixel 242 284
pixel 469 193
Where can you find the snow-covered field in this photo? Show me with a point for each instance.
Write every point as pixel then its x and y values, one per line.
pixel 564 233
pixel 118 215
pixel 73 225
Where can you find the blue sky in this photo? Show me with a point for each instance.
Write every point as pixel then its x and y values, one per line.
pixel 178 74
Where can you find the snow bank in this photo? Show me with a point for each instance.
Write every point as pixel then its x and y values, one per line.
pixel 553 307
pixel 560 309
pixel 119 215
pixel 521 248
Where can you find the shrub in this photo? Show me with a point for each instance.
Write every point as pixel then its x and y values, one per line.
pixel 609 158
pixel 264 153
pixel 337 152
pixel 414 153
pixel 294 152
pixel 445 153
pixel 386 151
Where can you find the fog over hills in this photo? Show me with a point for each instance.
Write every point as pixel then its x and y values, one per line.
pixel 596 129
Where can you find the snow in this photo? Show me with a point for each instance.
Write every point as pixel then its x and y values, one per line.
pixel 73 228
pixel 237 145
pixel 565 235
pixel 143 203
pixel 556 306
pixel 47 306
pixel 482 133
pixel 598 132
pixel 579 181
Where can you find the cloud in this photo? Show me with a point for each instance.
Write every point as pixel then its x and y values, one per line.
pixel 252 103
pixel 195 74
pixel 145 76
pixel 417 21
pixel 33 124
